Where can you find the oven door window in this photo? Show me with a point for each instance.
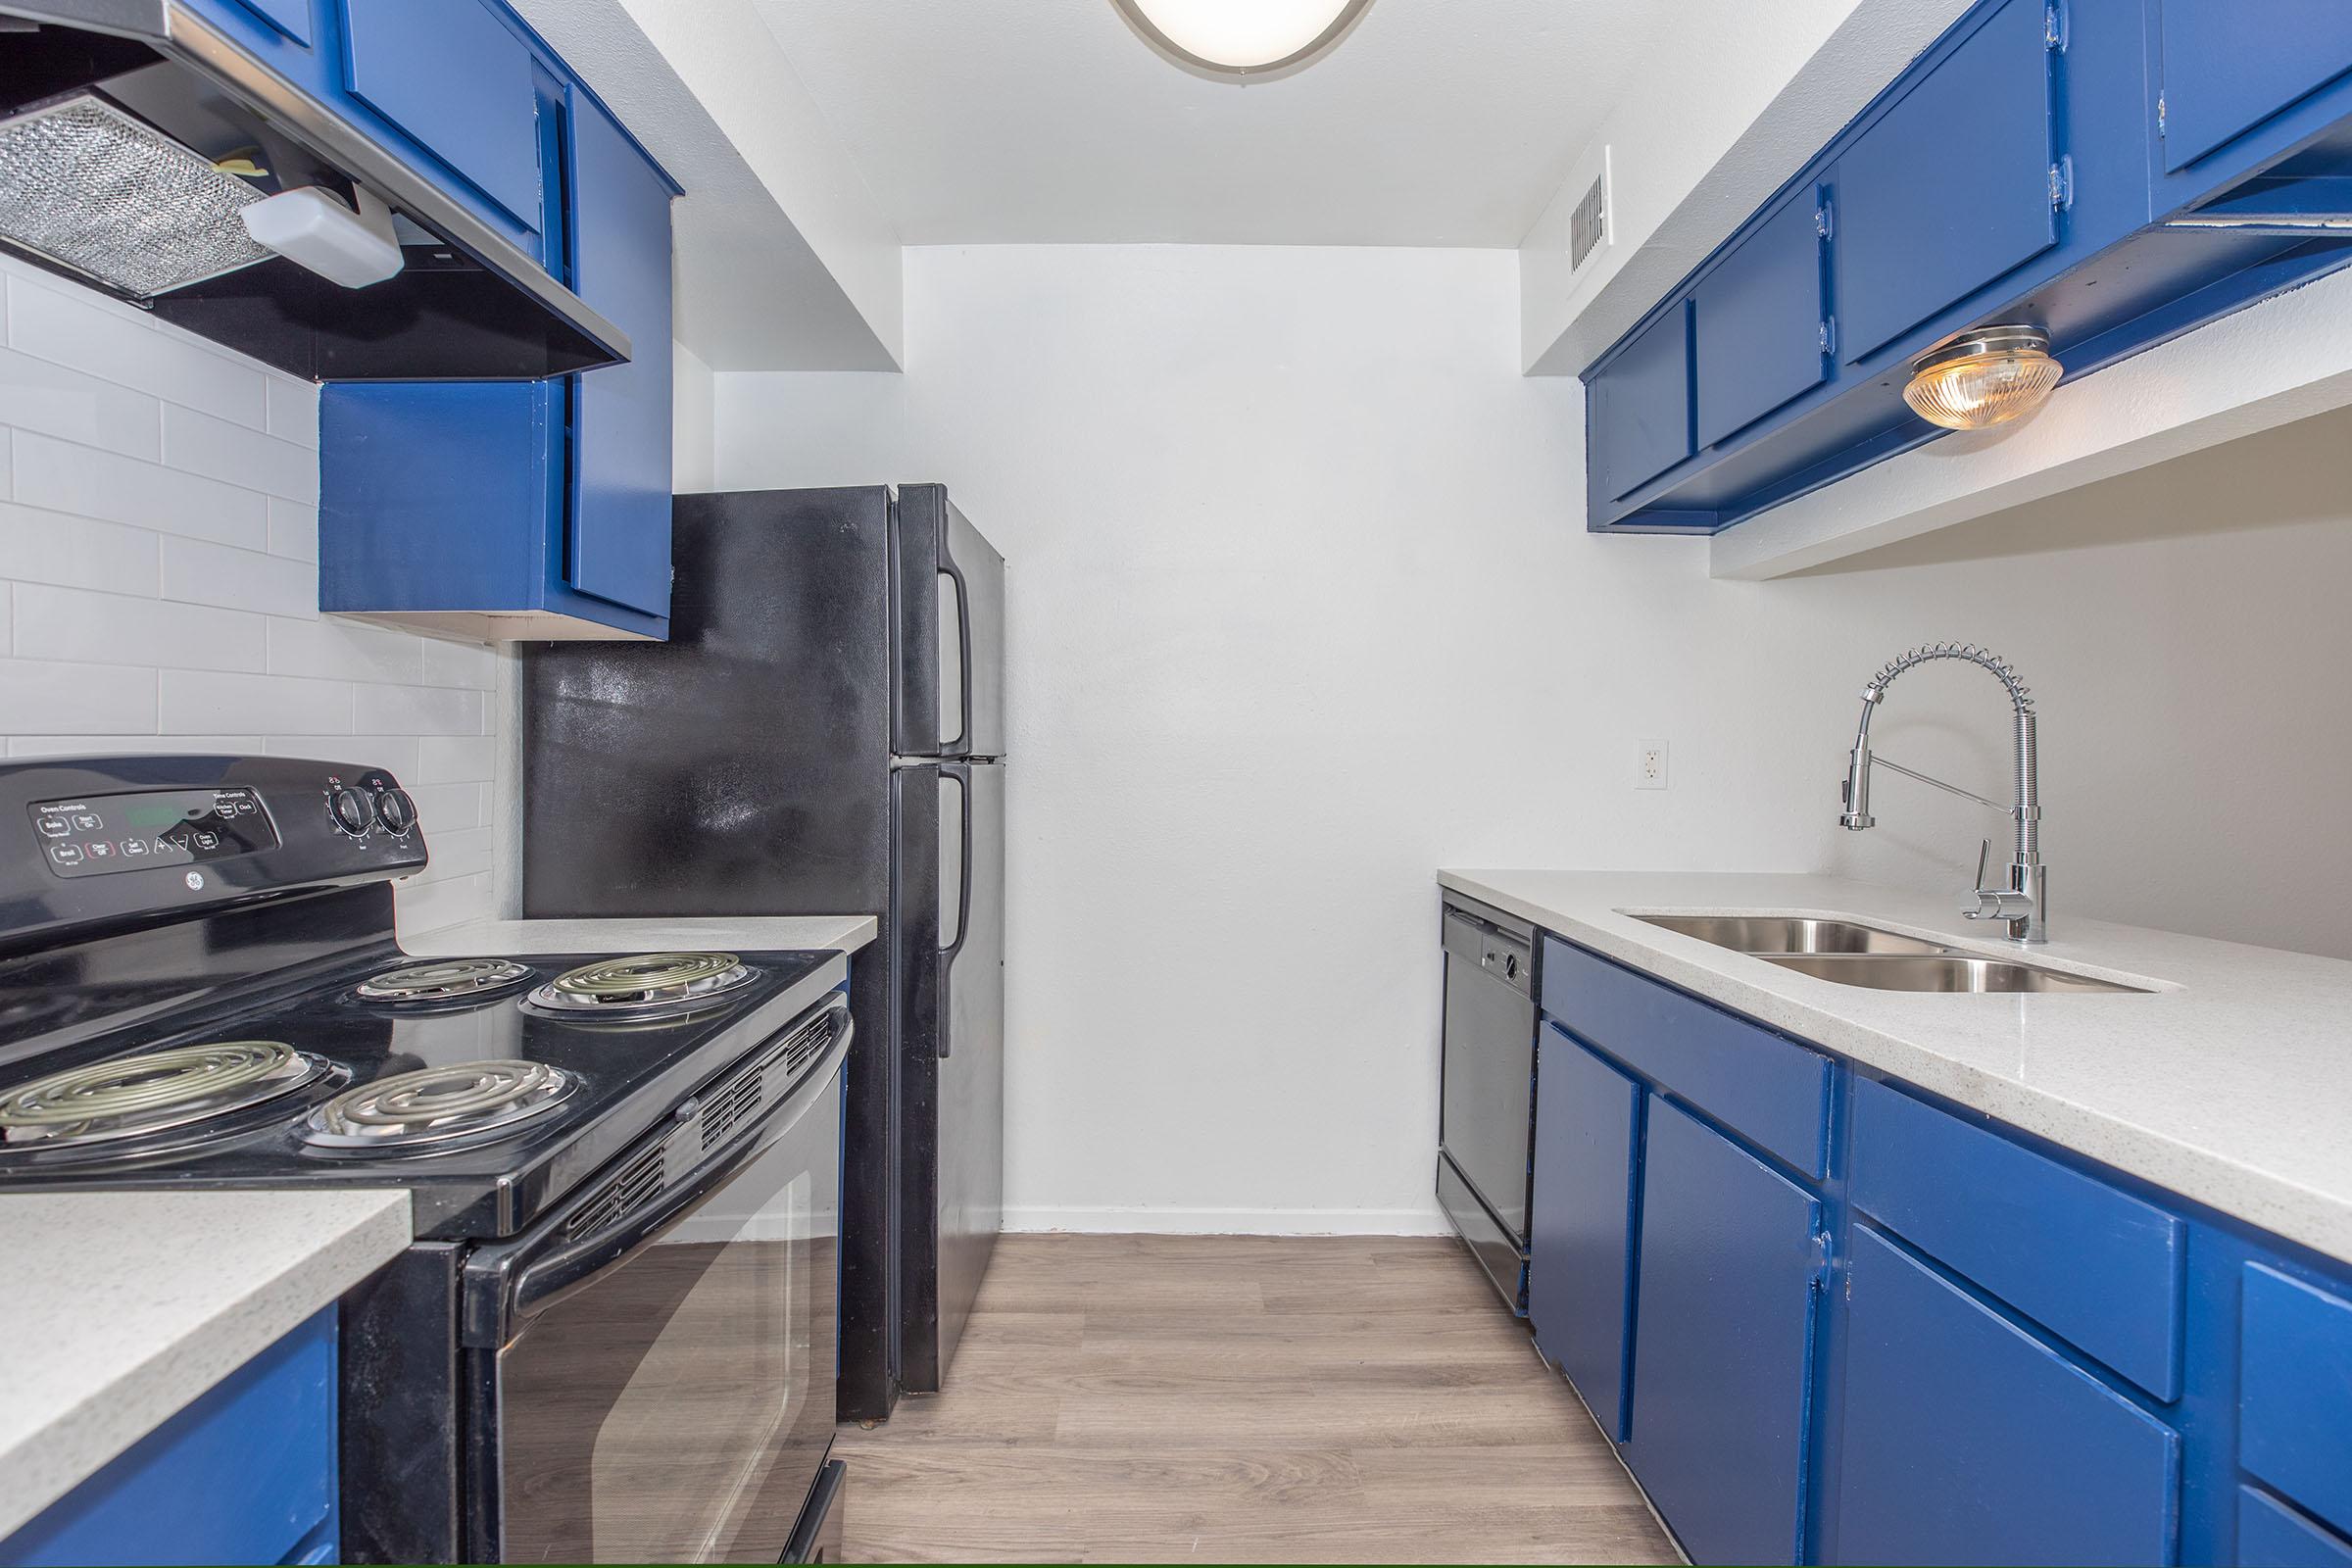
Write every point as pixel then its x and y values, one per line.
pixel 676 1407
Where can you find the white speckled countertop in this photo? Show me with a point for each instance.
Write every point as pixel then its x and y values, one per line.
pixel 2232 1085
pixel 121 1308
pixel 842 933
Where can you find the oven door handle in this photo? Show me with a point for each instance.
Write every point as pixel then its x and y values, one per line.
pixel 543 1284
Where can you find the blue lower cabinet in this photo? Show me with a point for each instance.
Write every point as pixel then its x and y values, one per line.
pixel 2294 1419
pixel 1581 1227
pixel 1722 1348
pixel 2272 1535
pixel 1967 1440
pixel 246 1474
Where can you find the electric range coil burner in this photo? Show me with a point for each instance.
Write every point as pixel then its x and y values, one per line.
pixel 431 1108
pixel 155 1091
pixel 445 980
pixel 650 985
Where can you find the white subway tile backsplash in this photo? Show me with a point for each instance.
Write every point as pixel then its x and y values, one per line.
pixel 345 650
pixel 293 529
pixel 469 664
pixel 90 483
pixel 24 746
pixel 397 752
pixel 293 411
pixel 432 901
pixel 36 395
pixel 41 697
pixel 447 807
pixel 74 624
pixel 460 853
pixel 199 443
pixel 77 551
pixel 418 709
pixel 59 321
pixel 159 580
pixel 457 759
pixel 239 579
pixel 207 700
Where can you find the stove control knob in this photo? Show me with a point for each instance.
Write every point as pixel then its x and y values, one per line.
pixel 349 808
pixel 396 810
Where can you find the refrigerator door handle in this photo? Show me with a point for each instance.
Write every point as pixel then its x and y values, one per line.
pixel 962 738
pixel 962 774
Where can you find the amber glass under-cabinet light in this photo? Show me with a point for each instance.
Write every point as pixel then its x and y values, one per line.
pixel 1987 375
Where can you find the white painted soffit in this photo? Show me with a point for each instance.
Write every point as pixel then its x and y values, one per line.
pixel 2272 363
pixel 1703 130
pixel 782 258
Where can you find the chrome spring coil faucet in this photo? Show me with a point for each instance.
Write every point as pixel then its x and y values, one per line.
pixel 2022 907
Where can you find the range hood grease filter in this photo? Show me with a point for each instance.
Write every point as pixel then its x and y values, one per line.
pixel 117 200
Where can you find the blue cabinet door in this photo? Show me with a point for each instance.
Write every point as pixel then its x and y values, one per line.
pixel 2271 1534
pixel 1965 1439
pixel 619 544
pixel 1638 407
pixel 456 79
pixel 1723 1347
pixel 1950 188
pixel 289 16
pixel 244 1474
pixel 2295 1391
pixel 1757 331
pixel 1580 1230
pixel 2228 65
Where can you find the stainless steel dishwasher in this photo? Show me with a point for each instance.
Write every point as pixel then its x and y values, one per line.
pixel 1486 1119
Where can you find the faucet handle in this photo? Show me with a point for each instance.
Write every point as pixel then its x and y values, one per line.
pixel 1996 903
pixel 1984 858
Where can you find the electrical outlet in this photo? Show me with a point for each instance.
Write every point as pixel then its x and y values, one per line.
pixel 1650 774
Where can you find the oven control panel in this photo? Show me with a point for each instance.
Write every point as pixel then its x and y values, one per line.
pixel 90 841
pixel 99 835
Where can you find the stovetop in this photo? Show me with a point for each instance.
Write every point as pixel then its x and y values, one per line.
pixel 606 1079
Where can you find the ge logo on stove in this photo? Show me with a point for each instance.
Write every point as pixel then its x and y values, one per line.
pixel 195 880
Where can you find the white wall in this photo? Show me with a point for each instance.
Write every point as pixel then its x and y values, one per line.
pixel 694 413
pixel 1302 607
pixel 159 592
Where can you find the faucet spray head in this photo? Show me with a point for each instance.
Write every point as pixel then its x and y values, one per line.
pixel 1854 795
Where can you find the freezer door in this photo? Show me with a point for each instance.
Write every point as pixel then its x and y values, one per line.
pixel 950 927
pixel 949 596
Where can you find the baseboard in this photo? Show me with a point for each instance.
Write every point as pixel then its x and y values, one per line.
pixel 1156 1221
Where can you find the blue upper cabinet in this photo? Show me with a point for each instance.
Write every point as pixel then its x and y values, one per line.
pixel 458 79
pixel 505 511
pixel 619 544
pixel 2229 64
pixel 289 16
pixel 1639 409
pixel 2114 172
pixel 1760 336
pixel 1951 188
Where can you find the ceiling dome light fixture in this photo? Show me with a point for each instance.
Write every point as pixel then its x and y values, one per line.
pixel 1242 38
pixel 1985 375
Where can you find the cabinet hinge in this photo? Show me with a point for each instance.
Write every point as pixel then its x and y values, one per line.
pixel 2160 114
pixel 2053 25
pixel 2062 184
pixel 1828 336
pixel 1822 1260
pixel 1820 219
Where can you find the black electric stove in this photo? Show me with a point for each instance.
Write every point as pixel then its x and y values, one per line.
pixel 619 1165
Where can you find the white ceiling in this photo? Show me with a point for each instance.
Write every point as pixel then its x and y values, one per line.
pixel 992 121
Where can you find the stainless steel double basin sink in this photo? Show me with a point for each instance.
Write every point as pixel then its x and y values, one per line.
pixel 1852 953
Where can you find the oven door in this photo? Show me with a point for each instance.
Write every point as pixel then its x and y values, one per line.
pixel 660 1390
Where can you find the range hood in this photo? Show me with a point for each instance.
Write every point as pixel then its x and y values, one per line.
pixel 135 131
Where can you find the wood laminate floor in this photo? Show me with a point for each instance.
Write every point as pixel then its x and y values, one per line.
pixel 1240 1399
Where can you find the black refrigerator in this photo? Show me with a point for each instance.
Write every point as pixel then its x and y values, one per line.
pixel 823 734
